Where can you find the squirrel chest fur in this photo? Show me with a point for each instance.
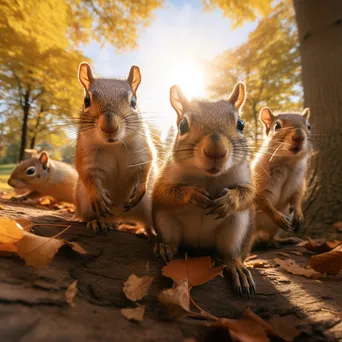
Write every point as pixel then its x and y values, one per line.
pixel 203 195
pixel 114 153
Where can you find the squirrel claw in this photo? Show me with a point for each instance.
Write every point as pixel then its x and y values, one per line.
pixel 98 226
pixel 164 251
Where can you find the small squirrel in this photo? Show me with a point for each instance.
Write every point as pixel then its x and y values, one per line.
pixel 279 170
pixel 43 176
pixel 114 153
pixel 203 195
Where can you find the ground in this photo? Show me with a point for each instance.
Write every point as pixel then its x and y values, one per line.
pixel 33 308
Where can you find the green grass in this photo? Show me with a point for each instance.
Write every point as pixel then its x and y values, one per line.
pixel 5 171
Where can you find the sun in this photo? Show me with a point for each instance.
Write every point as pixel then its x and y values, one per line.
pixel 190 77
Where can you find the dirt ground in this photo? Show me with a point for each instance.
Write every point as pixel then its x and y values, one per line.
pixel 33 308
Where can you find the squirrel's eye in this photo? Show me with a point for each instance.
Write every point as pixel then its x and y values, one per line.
pixel 31 171
pixel 183 126
pixel 240 125
pixel 277 126
pixel 133 102
pixel 87 101
pixel 309 127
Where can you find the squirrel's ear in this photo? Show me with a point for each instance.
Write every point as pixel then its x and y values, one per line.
pixel 178 101
pixel 85 75
pixel 238 95
pixel 266 117
pixel 306 113
pixel 44 159
pixel 134 78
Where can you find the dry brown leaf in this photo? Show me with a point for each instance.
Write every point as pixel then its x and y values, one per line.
pixel 71 292
pixel 327 246
pixel 284 327
pixel 177 299
pixel 291 266
pixel 327 263
pixel 257 264
pixel 38 250
pixel 251 257
pixel 197 270
pixel 25 224
pixel 284 254
pixel 136 314
pixel 243 329
pixel 136 288
pixel 10 231
pixel 8 247
pixel 76 247
pixel 338 226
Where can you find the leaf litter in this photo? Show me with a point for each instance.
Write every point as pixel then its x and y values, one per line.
pixel 135 314
pixel 71 292
pixel 136 288
pixel 291 266
pixel 328 263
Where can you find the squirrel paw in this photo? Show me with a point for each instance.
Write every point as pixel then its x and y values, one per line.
pixel 297 221
pixel 201 198
pixel 19 199
pixel 98 226
pixel 101 203
pixel 136 197
pixel 222 206
pixel 284 222
pixel 242 279
pixel 164 251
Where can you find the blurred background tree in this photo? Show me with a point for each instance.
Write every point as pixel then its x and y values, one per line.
pixel 38 60
pixel 319 25
pixel 269 63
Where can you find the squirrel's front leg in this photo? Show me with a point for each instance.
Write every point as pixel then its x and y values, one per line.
pixel 230 200
pixel 296 201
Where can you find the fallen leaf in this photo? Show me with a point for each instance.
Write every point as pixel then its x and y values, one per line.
pixel 338 226
pixel 46 201
pixel 177 299
pixel 2 207
pixel 76 247
pixel 8 247
pixel 10 231
pixel 284 254
pixel 291 266
pixel 327 263
pixel 251 257
pixel 136 314
pixel 38 250
pixel 25 224
pixel 321 248
pixel 197 270
pixel 284 327
pixel 275 327
pixel 136 288
pixel 71 292
pixel 257 264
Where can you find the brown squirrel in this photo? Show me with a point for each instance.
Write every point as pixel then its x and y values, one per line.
pixel 204 193
pixel 279 170
pixel 43 176
pixel 114 153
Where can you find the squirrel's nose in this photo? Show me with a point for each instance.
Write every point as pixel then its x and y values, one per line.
pixel 109 129
pixel 108 125
pixel 298 138
pixel 215 154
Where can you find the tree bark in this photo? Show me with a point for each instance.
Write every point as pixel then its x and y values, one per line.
pixel 36 130
pixel 26 110
pixel 320 36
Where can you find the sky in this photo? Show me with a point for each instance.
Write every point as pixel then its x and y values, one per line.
pixel 171 50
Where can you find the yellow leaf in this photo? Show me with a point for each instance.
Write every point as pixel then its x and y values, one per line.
pixel 38 250
pixel 10 231
pixel 71 292
pixel 136 314
pixel 136 288
pixel 8 247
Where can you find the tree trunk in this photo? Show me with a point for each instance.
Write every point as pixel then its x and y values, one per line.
pixel 320 36
pixel 36 130
pixel 26 109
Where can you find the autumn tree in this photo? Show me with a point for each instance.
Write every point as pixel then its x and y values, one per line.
pixel 319 25
pixel 269 63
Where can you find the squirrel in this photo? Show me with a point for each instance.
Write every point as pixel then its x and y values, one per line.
pixel 114 153
pixel 203 196
pixel 43 176
pixel 279 170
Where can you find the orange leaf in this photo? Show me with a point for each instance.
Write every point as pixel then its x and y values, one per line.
pixel 71 292
pixel 329 263
pixel 25 224
pixel 197 270
pixel 8 247
pixel 292 267
pixel 321 248
pixel 10 231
